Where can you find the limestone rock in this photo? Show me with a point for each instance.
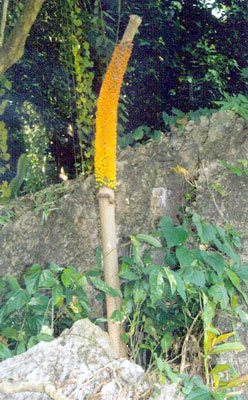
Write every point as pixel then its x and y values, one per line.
pixel 83 364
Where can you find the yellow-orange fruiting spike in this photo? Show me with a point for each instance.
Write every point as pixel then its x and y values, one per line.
pixel 106 117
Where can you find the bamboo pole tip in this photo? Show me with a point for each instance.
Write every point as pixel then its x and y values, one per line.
pixel 135 19
pixel 131 29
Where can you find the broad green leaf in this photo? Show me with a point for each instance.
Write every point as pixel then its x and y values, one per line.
pixel 243 315
pixel 219 294
pixel 101 285
pixel 7 84
pixel 55 268
pixel 86 308
pixel 198 278
pixel 117 316
pixel 148 239
pixel 44 337
pixel 57 295
pixel 39 302
pixel 138 133
pixel 208 311
pixel 32 279
pixel 13 283
pixel 230 346
pixel 173 235
pixel 10 333
pixel 3 313
pixel 172 375
pixel 130 275
pixel 224 245
pixel 136 251
pixel 160 364
pixel 47 279
pixel 219 368
pixel 235 281
pixel 170 276
pixel 128 289
pixel 179 285
pixel 199 394
pixel 166 342
pixel 156 286
pixel 34 268
pixel 180 114
pixel 21 348
pixel 149 327
pixel 2 285
pixel 139 295
pixel 244 72
pixel 223 337
pixel 206 231
pixel 101 320
pixel 5 352
pixel 242 272
pixel 72 270
pixel 82 282
pixel 32 341
pixel 233 277
pixel 156 135
pixel 215 260
pixel 170 258
pixel 127 306
pixel 185 256
pixel 17 300
pixel 124 338
pixel 66 278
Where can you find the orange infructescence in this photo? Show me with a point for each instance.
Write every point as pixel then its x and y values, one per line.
pixel 106 117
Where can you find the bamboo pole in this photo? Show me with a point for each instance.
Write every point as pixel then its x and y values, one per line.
pixel 105 170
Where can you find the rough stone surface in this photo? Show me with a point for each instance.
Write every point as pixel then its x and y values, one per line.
pixel 84 365
pixel 147 188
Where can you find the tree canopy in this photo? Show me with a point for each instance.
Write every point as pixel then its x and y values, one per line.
pixel 189 54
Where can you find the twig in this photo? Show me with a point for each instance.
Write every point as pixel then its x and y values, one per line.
pixel 10 387
pixel 183 360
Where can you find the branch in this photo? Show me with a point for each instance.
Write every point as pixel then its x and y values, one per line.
pixel 10 387
pixel 13 48
pixel 3 22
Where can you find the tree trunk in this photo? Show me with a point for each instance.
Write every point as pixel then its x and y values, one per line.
pixel 13 48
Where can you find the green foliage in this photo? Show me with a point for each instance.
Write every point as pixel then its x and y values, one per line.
pixel 40 307
pixel 200 275
pixel 36 141
pixel 5 84
pixel 217 387
pixel 45 203
pixel 140 134
pixel 210 69
pixel 175 122
pixel 6 215
pixel 237 170
pixel 191 58
pixel 85 98
pixel 178 119
pixel 10 191
pixel 237 103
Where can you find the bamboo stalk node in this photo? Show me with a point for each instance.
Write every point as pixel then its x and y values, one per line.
pixel 107 195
